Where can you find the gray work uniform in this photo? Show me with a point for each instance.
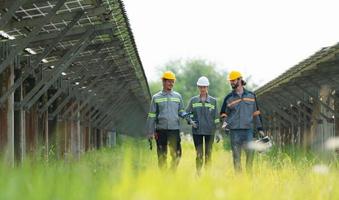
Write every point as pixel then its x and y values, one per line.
pixel 204 113
pixel 165 110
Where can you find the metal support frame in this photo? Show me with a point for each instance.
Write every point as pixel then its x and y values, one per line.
pixel 65 16
pixel 51 100
pixel 86 76
pixel 35 63
pixel 70 108
pixel 103 91
pixel 77 32
pixel 29 100
pixel 15 4
pixel 103 108
pixel 316 99
pixel 33 34
pixel 87 101
pixel 293 117
pixel 109 112
pixel 280 112
pixel 110 118
pixel 61 106
pixel 334 83
pixel 300 109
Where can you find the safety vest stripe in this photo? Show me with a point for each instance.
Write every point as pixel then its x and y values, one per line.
pixel 160 100
pixel 209 105
pixel 234 102
pixel 239 100
pixel 152 115
pixel 166 99
pixel 175 99
pixel 248 99
pixel 197 105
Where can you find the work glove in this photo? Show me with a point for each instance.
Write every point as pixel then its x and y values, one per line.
pixel 224 125
pixel 261 133
pixel 218 137
pixel 194 124
pixel 191 122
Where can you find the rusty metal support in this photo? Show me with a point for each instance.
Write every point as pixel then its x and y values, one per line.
pixel 7 117
pixel 19 125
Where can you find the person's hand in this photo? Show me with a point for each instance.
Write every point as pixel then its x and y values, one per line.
pixel 150 136
pixel 194 124
pixel 224 125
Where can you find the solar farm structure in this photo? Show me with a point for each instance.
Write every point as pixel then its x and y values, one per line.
pixel 70 77
pixel 301 106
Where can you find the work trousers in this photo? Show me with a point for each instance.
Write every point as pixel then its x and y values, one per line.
pixel 199 144
pixel 240 139
pixel 172 139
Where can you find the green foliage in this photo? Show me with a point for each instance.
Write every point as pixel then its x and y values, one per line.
pixel 129 171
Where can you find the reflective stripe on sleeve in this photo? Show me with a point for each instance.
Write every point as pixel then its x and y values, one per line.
pixel 152 115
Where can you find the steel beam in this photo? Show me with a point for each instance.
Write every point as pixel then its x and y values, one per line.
pixel 280 112
pixel 35 63
pixel 15 4
pixel 50 101
pixel 61 106
pixel 64 64
pixel 30 37
pixel 65 16
pixel 74 32
pixel 316 99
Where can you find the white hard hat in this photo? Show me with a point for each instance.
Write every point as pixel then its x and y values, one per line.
pixel 203 81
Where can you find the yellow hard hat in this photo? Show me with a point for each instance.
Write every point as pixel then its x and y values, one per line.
pixel 233 75
pixel 168 75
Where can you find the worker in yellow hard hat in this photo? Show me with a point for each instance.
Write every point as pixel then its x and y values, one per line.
pixel 233 77
pixel 239 113
pixel 163 121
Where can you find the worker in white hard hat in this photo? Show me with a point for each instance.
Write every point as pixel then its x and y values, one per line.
pixel 204 113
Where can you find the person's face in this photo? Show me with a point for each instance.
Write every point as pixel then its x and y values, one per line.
pixel 235 83
pixel 203 89
pixel 167 84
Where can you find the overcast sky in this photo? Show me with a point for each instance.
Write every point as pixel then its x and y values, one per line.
pixel 261 38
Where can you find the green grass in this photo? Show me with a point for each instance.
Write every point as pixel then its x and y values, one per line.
pixel 130 171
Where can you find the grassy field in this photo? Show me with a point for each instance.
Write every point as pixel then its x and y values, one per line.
pixel 130 171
